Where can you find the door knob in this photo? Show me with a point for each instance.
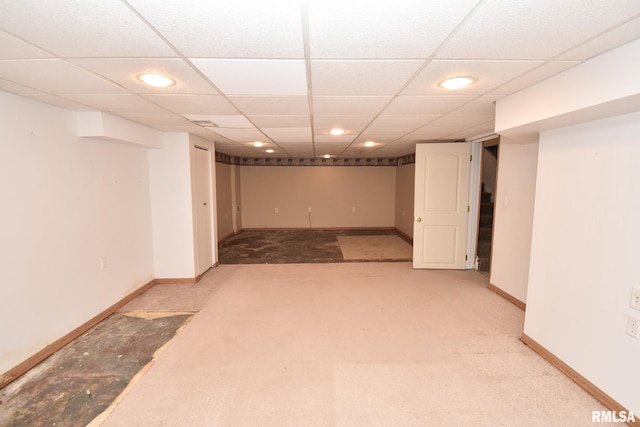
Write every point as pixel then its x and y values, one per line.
pixel 419 219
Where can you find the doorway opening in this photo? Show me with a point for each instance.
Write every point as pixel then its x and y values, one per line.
pixel 490 150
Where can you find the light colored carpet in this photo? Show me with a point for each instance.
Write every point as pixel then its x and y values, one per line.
pixel 351 344
pixel 375 248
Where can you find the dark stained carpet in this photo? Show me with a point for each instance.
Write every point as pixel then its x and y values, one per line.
pixel 80 381
pixel 289 246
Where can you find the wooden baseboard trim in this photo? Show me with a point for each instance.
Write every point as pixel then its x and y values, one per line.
pixel 587 385
pixel 322 229
pixel 178 281
pixel 406 237
pixel 19 370
pixel 513 300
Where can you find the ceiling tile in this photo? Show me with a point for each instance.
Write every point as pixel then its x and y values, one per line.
pixel 55 76
pixel 269 105
pixel 350 124
pixel 124 72
pixel 534 76
pixel 461 120
pixel 616 37
pixel 288 134
pixel 401 122
pixel 324 138
pixel 349 105
pixel 72 28
pixel 14 48
pixel 281 121
pixel 12 87
pixel 59 102
pixel 361 78
pixel 534 29
pixel 223 121
pixel 489 74
pixel 255 76
pixel 427 104
pixel 360 28
pixel 193 104
pixel 116 102
pixel 382 136
pixel 485 104
pixel 161 121
pixel 475 131
pixel 240 135
pixel 228 29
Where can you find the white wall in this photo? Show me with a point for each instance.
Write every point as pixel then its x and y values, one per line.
pixel 172 211
pixel 513 210
pixel 330 192
pixel 585 252
pixel 66 203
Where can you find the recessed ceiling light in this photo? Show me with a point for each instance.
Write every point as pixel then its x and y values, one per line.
pixel 258 143
pixel 269 151
pixel 456 83
pixel 327 156
pixel 369 144
pixel 337 132
pixel 156 80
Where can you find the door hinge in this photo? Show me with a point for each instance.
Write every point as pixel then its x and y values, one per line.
pixel 471 157
pixel 466 257
pixel 468 208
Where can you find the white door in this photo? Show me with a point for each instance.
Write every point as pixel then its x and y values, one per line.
pixel 441 205
pixel 204 211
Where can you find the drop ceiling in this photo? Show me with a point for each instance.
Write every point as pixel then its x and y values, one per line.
pixel 285 72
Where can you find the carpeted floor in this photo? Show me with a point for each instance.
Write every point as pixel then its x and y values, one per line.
pixel 313 246
pixel 351 344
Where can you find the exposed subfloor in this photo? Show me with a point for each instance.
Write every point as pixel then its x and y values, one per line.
pixel 81 380
pixel 293 246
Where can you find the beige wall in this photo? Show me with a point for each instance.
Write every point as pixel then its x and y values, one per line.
pixel 405 183
pixel 224 200
pixel 332 193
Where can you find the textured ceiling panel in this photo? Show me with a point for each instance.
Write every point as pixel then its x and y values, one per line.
pixel 356 29
pixel 269 105
pixel 255 76
pixel 290 70
pixel 281 121
pixel 534 29
pixel 228 29
pixel 349 105
pixel 193 104
pixel 55 76
pixel 13 48
pixel 124 72
pixel 489 75
pixel 72 28
pixel 128 103
pixel 361 78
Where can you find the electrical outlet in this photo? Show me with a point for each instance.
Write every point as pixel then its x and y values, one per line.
pixel 276 211
pixel 103 262
pixel 633 327
pixel 635 298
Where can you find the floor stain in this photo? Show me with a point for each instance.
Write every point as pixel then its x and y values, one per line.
pixel 80 381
